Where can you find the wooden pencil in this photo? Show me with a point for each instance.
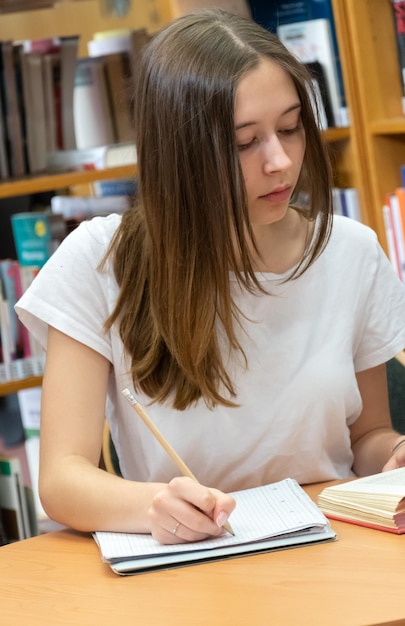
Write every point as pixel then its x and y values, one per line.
pixel 164 443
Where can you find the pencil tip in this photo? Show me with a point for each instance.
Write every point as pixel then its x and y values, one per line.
pixel 229 529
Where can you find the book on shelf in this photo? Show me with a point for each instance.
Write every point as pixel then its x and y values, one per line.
pixel 394 224
pixel 322 104
pixel 59 60
pixel 311 41
pixel 390 236
pixel 92 109
pixel 34 109
pixel 376 501
pixel 120 53
pixel 8 346
pixel 80 208
pixel 9 294
pixel 52 100
pixel 275 13
pixel 11 110
pixel 98 157
pixel 21 354
pixel 257 529
pixel 346 202
pixel 68 60
pixel 36 234
pixel 15 516
pixel 397 211
pixel 118 76
pixel 350 203
pixel 29 402
pixel 4 165
pixel 139 37
pixel 398 11
pixel 109 42
pixel 116 187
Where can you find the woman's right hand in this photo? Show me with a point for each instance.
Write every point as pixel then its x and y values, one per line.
pixel 186 511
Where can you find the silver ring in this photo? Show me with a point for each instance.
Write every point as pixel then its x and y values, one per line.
pixel 175 529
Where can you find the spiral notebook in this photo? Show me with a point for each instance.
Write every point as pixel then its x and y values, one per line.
pixel 275 516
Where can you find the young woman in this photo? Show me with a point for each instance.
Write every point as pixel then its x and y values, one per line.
pixel 252 329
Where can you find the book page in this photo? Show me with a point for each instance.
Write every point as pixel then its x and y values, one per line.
pixel 274 510
pixel 390 483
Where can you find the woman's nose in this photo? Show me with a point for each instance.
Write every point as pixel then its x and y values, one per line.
pixel 275 157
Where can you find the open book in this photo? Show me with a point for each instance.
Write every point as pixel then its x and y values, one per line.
pixel 275 516
pixel 376 501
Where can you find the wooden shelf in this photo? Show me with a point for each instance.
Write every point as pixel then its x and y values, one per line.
pixel 393 126
pixel 16 385
pixel 48 182
pixel 337 134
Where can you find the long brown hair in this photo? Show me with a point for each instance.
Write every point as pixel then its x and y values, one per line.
pixel 174 250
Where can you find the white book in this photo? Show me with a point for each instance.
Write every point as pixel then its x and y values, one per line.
pixel 29 402
pixel 352 203
pixel 91 105
pixel 98 157
pixel 337 201
pixel 75 207
pixel 312 41
pixel 109 43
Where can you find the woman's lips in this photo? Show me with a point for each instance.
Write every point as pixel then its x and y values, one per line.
pixel 277 196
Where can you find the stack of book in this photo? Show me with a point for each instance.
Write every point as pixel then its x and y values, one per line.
pixel 52 101
pixel 346 202
pixel 20 354
pixel 17 510
pixel 36 102
pixel 394 221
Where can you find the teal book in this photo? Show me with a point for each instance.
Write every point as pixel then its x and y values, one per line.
pixel 36 236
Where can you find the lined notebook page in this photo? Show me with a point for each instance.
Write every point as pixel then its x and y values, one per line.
pixel 262 512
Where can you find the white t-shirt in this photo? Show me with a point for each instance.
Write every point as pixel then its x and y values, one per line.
pixel 304 344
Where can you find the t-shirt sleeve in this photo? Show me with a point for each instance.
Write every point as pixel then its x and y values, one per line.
pixel 72 293
pixel 382 323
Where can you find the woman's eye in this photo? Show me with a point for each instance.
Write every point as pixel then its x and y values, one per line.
pixel 290 131
pixel 245 146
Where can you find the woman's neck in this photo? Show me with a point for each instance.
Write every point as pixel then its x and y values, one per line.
pixel 281 245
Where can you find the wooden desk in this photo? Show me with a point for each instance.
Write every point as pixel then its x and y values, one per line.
pixel 59 579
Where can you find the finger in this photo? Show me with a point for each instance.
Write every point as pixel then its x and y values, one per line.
pixel 187 490
pixel 176 534
pixel 224 506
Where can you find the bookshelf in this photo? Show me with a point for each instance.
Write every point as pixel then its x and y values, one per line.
pixel 374 81
pixel 63 19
